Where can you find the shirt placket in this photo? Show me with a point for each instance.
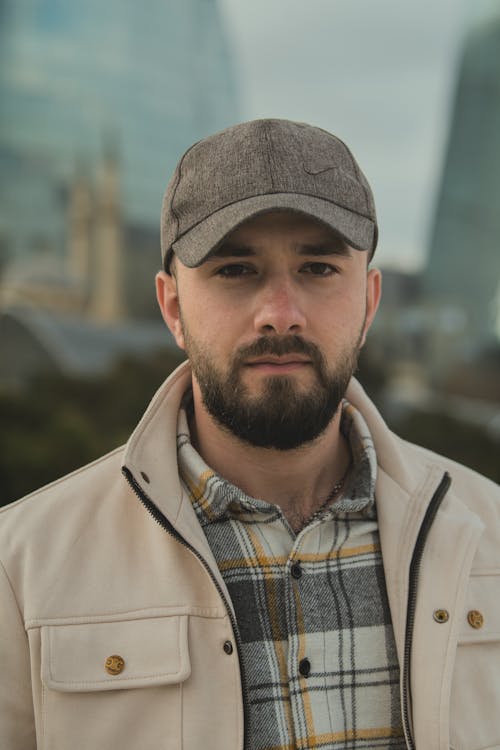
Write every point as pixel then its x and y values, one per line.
pixel 300 662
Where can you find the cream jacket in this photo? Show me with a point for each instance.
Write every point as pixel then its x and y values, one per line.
pixel 117 631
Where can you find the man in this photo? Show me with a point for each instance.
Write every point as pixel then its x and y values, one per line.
pixel 303 578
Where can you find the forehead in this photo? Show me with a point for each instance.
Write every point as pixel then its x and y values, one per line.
pixel 281 225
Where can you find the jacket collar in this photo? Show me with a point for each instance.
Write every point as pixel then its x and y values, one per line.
pixel 151 457
pixel 151 452
pixel 407 477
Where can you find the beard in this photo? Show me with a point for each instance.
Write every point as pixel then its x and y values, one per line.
pixel 284 415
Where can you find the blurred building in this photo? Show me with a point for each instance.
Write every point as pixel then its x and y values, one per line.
pixel 155 77
pixel 462 278
pixel 39 342
pixel 97 102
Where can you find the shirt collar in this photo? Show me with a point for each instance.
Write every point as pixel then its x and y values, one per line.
pixel 214 497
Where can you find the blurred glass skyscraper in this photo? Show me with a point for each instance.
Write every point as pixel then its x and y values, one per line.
pixel 463 272
pixel 140 80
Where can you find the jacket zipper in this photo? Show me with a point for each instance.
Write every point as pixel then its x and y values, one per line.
pixel 170 529
pixel 416 559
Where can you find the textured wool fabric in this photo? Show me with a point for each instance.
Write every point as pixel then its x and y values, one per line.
pixel 259 166
pixel 318 647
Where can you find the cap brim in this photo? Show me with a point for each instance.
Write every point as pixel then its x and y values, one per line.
pixel 196 245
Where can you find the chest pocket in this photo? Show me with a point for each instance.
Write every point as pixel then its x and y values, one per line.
pixel 104 683
pixel 481 620
pixel 475 699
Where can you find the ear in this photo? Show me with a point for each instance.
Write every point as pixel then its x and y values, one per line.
pixel 168 300
pixel 373 294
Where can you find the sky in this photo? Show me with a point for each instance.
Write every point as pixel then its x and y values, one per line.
pixel 381 75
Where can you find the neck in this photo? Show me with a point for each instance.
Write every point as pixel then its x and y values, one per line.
pixel 298 481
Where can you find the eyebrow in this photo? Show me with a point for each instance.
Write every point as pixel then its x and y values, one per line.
pixel 228 250
pixel 325 248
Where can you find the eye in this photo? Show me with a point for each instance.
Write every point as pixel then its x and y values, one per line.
pixel 317 268
pixel 233 270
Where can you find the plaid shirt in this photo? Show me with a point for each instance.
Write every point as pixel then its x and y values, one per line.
pixel 312 611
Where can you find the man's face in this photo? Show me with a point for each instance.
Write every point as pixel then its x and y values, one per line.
pixel 272 324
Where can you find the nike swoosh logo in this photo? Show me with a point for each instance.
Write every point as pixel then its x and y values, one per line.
pixel 315 172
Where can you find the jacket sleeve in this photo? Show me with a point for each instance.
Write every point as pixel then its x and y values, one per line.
pixel 17 724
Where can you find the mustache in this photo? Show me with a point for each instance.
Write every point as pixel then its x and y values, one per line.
pixel 279 346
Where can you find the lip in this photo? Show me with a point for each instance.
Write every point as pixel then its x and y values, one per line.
pixel 273 359
pixel 270 363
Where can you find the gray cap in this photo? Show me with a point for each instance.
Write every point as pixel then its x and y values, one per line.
pixel 260 166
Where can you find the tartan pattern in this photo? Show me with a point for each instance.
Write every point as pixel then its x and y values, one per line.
pixel 336 614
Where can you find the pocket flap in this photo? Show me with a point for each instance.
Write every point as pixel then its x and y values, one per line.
pixel 115 655
pixel 481 621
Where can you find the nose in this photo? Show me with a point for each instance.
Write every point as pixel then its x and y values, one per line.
pixel 279 309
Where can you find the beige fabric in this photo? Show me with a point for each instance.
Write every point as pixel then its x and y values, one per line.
pixel 87 574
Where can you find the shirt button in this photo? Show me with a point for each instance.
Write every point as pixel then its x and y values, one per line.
pixel 296 570
pixel 114 664
pixel 305 667
pixel 228 647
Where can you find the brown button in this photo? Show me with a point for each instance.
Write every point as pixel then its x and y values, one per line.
pixel 228 647
pixel 441 615
pixel 475 619
pixel 114 664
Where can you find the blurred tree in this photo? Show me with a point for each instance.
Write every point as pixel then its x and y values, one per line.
pixel 371 373
pixel 477 378
pixel 468 444
pixel 59 424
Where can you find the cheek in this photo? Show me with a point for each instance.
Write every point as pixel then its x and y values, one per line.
pixel 205 328
pixel 213 319
pixel 340 330
pixel 345 313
